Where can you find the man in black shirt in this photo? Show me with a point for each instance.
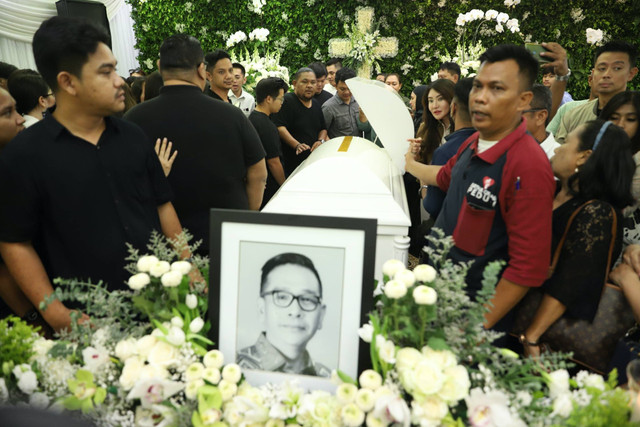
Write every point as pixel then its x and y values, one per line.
pixel 219 74
pixel 220 162
pixel 300 121
pixel 269 96
pixel 79 185
pixel 320 71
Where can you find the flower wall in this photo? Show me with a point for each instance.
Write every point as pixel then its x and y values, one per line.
pixel 300 30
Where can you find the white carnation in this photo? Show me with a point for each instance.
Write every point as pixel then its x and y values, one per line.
pixel 394 289
pixel 405 276
pixel 159 268
pixel 213 359
pixel 28 382
pixel 392 266
pixel 231 373
pixel 146 262
pixel 424 273
pixel 171 279
pixel 139 281
pixel 425 295
pixel 370 379
pixel 184 267
pixel 195 371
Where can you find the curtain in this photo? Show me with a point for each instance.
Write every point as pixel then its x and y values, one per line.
pixel 19 20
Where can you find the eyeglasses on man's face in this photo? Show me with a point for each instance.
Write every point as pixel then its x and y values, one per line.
pixel 284 299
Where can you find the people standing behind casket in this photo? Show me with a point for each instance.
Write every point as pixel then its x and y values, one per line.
pixel 32 94
pixel 417 109
pixel 341 111
pixel 79 185
pixel 332 65
pixel 394 80
pixel 221 160
pixel 449 71
pixel 381 77
pixel 5 71
pixel 537 115
pixel 320 71
pixel 499 185
pixel 219 74
pixel 237 95
pixel 595 169
pixel 270 96
pixel 300 121
pixel 463 129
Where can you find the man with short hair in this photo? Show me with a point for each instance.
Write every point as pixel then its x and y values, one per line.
pixel 80 185
pixel 381 77
pixel 270 96
pixel 449 71
pixel 320 71
pixel 341 111
pixel 394 81
pixel 548 78
pixel 537 115
pixel 614 66
pixel 11 122
pixel 219 74
pixel 220 162
pixel 333 65
pixel 5 71
pixel 33 96
pixel 290 304
pixel 237 95
pixel 499 185
pixel 300 121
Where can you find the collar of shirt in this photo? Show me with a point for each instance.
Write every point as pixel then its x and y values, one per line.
pixel 462 131
pixel 494 153
pixel 273 360
pixel 55 128
pixel 232 95
pixel 340 101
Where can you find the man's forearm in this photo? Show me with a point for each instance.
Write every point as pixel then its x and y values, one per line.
pixel 507 295
pixel 557 92
pixel 170 224
pixel 255 183
pixel 12 295
pixel 425 173
pixel 287 138
pixel 275 167
pixel 323 135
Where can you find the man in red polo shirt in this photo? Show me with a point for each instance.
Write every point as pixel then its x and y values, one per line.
pixel 499 185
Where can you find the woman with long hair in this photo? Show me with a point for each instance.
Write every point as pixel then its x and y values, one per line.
pixel 595 169
pixel 416 106
pixel 436 122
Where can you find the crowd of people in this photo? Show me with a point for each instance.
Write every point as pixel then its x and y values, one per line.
pixel 106 160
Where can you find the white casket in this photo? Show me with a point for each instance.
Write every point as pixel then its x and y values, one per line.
pixel 353 177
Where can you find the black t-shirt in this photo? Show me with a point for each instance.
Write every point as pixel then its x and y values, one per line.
pixel 270 138
pixel 303 123
pixel 80 203
pixel 323 97
pixel 215 143
pixel 212 94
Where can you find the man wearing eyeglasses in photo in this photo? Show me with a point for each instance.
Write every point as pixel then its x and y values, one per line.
pixel 291 310
pixel 537 116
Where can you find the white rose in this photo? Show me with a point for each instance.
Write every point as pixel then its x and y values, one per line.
pixel 162 354
pixel 213 359
pixel 28 382
pixel 191 390
pixel 39 400
pixel 42 346
pixel 139 281
pixel 425 295
pixel 558 383
pixel 144 345
pixel 231 373
pixel 365 399
pixel 407 358
pixel 594 380
pixel 443 358
pixel 392 266
pixel 195 371
pixel 177 322
pixel 387 352
pixel 346 393
pixel 146 262
pixel 125 349
pixel 227 389
pixel 456 386
pixel 21 369
pixel 212 375
pixel 428 377
pixel 351 415
pixel 405 276
pixel 196 325
pixel 148 372
pixel 191 301
pixel 171 279
pixel 424 273
pixel 176 336
pixel 183 267
pixel 159 268
pixel 366 332
pixel 371 379
pixel 394 289
pixel 562 405
pixel 429 411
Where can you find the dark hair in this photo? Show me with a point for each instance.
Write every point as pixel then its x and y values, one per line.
pixel 270 87
pixel 212 58
pixel 152 85
pixel 393 74
pixel 607 173
pixel 461 93
pixel 334 61
pixel 431 130
pixel 344 74
pixel 527 64
pixel 618 46
pixel 541 99
pixel 129 100
pixel 319 69
pixel 382 74
pixel 240 67
pixel 419 91
pixel 137 84
pixel 6 69
pixel 26 87
pixel 451 67
pixel 64 44
pixel 284 259
pixel 180 52
pixel 618 100
pixel 300 71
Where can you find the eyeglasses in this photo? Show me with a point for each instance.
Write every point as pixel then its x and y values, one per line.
pixel 533 110
pixel 284 299
pixel 48 94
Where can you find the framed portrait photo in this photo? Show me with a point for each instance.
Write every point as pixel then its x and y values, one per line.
pixel 287 294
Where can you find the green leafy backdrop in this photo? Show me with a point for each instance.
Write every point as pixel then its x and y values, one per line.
pixel 301 29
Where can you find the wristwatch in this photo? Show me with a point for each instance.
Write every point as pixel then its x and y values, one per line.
pixel 564 78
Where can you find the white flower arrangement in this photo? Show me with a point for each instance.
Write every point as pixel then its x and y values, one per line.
pixel 466 57
pixel 235 38
pixel 259 34
pixel 256 6
pixel 594 36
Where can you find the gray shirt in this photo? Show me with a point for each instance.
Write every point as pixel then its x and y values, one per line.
pixel 341 119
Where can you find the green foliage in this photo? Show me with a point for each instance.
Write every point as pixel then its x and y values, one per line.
pixel 84 393
pixel 425 29
pixel 16 340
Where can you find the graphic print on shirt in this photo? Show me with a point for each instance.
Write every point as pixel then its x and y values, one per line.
pixel 482 196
